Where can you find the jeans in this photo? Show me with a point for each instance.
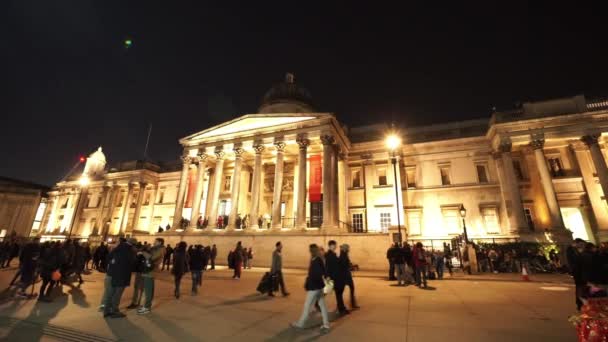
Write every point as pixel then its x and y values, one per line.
pixel 351 287
pixel 138 289
pixel 178 282
pixel 113 299
pixel 148 291
pixel 339 290
pixel 196 280
pixel 400 273
pixel 421 275
pixel 439 269
pixel 315 296
pixel 107 284
pixel 391 270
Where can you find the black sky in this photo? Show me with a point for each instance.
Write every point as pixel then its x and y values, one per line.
pixel 68 84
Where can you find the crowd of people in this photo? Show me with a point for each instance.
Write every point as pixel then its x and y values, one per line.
pixel 588 266
pixel 415 265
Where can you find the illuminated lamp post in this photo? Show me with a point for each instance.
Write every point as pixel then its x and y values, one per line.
pixel 463 213
pixel 393 142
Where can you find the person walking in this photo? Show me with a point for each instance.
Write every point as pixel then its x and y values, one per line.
pixel 138 283
pixel 439 264
pixel 12 253
pixel 314 290
pixel 153 259
pixel 420 262
pixel 335 272
pixel 276 270
pixel 120 266
pixel 250 258
pixel 180 265
pixel 390 256
pixel 345 264
pixel 196 268
pixel 48 263
pixel 212 256
pixel 79 260
pixel 238 261
pixel 167 257
pixel 27 265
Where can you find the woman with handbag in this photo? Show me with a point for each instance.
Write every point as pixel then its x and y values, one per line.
pixel 316 285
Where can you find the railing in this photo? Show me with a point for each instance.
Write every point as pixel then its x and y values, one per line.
pixel 345 225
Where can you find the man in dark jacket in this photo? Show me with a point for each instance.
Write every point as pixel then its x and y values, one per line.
pixel 120 265
pixel 79 260
pixel 238 261
pixel 575 263
pixel 276 270
pixel 335 272
pixel 13 253
pixel 345 263
pixel 390 256
pixel 48 263
pixel 167 257
pixel 212 256
pixel 28 261
pixel 196 268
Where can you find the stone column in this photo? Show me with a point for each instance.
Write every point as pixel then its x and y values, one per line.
pixel 235 188
pixel 368 183
pixel 198 194
pixel 328 187
pixel 151 210
pixel 217 183
pixel 598 161
pixel 114 193
pixel 537 143
pixel 335 200
pixel 278 186
pixel 303 143
pixel 125 209
pixel 254 213
pixel 515 208
pixel 343 185
pixel 105 195
pixel 181 192
pixel 140 200
pixel 78 208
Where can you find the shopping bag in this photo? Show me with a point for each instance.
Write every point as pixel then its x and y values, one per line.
pixel 329 285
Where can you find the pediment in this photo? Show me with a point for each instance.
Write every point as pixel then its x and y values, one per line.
pixel 250 123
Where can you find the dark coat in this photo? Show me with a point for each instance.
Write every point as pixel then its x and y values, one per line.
pixel 197 260
pixel 333 268
pixel 344 263
pixel 213 252
pixel 238 255
pixel 121 263
pixel 316 271
pixel 180 261
pixel 49 261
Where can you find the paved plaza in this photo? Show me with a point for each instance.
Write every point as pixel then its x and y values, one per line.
pixel 473 308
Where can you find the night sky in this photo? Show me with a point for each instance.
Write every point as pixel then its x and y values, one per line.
pixel 68 84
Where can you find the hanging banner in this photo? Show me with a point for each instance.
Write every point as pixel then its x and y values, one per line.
pixel 191 188
pixel 316 179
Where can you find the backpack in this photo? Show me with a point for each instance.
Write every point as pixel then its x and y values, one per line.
pixel 143 265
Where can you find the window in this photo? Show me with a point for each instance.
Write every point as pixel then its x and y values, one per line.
pixel 414 222
pixel 385 221
pixel 358 222
pixel 65 204
pixel 133 203
pixel 411 177
pixel 482 173
pixel 381 172
pixel 555 167
pixel 39 215
pixel 529 219
pixel 356 179
pixel 147 199
pixel 451 220
pixel 161 195
pixel 490 220
pixel 227 183
pixel 445 175
pixel 518 170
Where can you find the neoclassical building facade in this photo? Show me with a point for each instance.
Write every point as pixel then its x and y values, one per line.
pixel 537 172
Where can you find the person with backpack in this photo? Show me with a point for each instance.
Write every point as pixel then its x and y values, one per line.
pixel 180 265
pixel 153 259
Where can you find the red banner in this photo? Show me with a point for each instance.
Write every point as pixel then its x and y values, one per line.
pixel 191 188
pixel 315 179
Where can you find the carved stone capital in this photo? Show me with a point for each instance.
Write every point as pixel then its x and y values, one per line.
pixel 186 159
pixel 327 139
pixel 303 143
pixel 280 146
pixel 505 145
pixel 258 148
pixel 238 152
pixel 219 153
pixel 202 157
pixel 537 141
pixel 590 139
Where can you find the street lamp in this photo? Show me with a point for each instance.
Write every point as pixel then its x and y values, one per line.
pixel 393 142
pixel 463 213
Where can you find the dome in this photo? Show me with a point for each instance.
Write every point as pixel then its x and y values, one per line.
pixel 287 97
pixel 96 163
pixel 98 155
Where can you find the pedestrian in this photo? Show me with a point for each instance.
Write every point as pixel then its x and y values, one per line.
pixel 48 263
pixel 79 260
pixel 102 256
pixel 138 283
pixel 399 261
pixel 314 290
pixel 421 265
pixel 87 255
pixel 574 256
pixel 213 255
pixel 276 270
pixel 439 264
pixel 167 257
pixel 345 266
pixel 27 264
pixel 335 272
pixel 13 252
pixel 121 261
pixel 153 259
pixel 250 258
pixel 196 268
pixel 238 261
pixel 180 265
pixel 390 255
pixel 220 221
pixel 245 258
